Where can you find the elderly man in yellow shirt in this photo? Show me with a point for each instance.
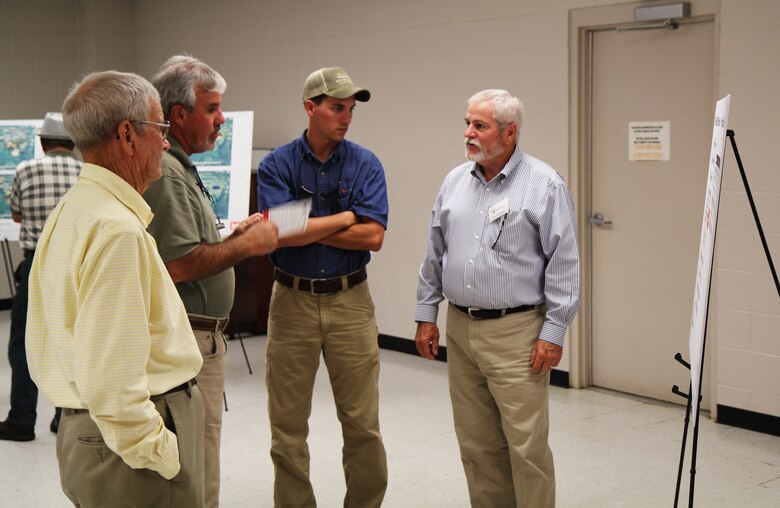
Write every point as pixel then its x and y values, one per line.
pixel 108 337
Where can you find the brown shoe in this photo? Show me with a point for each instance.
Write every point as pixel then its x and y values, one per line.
pixel 12 432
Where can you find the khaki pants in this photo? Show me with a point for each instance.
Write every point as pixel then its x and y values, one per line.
pixel 211 381
pixel 342 328
pixel 500 410
pixel 94 476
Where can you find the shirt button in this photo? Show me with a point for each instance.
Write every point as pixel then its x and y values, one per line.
pixel 468 286
pixel 322 270
pixel 476 236
pixel 471 261
pixel 481 212
pixel 322 173
pixel 488 190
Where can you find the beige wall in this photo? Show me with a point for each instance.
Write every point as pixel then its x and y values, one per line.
pixel 47 45
pixel 422 59
pixel 748 310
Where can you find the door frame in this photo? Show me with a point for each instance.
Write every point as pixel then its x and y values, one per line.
pixel 583 24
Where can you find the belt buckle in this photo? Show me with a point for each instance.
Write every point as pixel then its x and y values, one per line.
pixel 311 288
pixel 472 310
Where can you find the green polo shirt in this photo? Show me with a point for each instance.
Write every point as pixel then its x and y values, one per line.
pixel 183 219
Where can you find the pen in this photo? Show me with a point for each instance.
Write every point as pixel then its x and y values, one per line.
pixel 500 229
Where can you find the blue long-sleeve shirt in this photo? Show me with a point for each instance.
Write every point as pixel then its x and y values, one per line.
pixel 351 179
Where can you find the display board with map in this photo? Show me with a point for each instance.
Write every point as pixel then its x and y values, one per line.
pixel 18 143
pixel 226 170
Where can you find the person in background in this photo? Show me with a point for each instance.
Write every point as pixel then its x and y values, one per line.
pixel 502 249
pixel 37 187
pixel 186 228
pixel 108 338
pixel 320 302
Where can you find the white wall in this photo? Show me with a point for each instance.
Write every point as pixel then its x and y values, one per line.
pixel 748 308
pixel 422 59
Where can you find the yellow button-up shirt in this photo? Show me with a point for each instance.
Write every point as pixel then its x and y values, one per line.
pixel 106 328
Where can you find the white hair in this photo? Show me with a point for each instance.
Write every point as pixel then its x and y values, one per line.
pixel 180 77
pixel 506 107
pixel 96 105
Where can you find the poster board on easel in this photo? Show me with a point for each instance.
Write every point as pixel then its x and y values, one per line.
pixel 18 143
pixel 226 170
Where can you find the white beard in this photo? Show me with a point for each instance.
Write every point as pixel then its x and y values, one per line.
pixel 482 155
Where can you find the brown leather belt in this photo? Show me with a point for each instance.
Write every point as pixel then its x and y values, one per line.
pixel 208 324
pixel 493 313
pixel 320 286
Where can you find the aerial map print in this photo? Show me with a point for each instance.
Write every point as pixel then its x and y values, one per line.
pixel 5 189
pixel 222 152
pixel 17 144
pixel 218 185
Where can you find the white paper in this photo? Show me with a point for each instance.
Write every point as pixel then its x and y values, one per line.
pixel 498 210
pixel 290 218
pixel 707 247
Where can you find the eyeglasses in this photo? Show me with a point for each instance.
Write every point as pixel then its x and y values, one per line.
pixel 162 127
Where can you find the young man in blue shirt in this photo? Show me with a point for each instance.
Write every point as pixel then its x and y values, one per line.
pixel 320 302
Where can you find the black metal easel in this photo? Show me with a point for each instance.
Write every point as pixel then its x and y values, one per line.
pixel 246 357
pixel 8 263
pixel 675 389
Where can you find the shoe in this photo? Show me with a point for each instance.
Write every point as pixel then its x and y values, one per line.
pixel 54 426
pixel 13 432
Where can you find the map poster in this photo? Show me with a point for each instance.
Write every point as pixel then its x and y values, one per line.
pixel 709 224
pixel 18 143
pixel 226 170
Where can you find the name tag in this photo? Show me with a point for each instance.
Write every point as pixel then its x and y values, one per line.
pixel 498 210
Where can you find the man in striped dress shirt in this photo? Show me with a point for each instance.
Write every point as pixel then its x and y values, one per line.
pixel 37 188
pixel 503 250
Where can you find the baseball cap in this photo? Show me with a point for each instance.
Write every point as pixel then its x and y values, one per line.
pixel 53 128
pixel 333 82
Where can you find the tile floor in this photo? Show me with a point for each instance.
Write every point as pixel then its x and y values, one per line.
pixel 611 450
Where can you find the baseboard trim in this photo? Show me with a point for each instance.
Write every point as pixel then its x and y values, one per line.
pixel 744 419
pixel 557 377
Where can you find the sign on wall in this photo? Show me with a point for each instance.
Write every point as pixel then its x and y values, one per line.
pixel 649 141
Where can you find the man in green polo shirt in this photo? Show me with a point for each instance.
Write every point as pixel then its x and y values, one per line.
pixel 186 229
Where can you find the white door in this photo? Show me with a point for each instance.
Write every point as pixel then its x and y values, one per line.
pixel 644 262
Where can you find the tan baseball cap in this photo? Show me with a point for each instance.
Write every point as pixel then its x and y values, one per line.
pixel 333 82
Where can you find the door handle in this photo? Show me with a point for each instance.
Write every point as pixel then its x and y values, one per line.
pixel 599 220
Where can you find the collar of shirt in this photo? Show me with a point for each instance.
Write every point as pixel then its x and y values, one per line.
pixel 178 152
pixel 510 168
pixel 120 189
pixel 62 152
pixel 307 154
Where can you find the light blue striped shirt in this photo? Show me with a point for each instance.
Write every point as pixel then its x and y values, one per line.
pixel 474 261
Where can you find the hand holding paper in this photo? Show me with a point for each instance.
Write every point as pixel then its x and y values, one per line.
pixel 290 218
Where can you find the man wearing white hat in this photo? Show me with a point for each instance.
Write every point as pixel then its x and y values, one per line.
pixel 37 188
